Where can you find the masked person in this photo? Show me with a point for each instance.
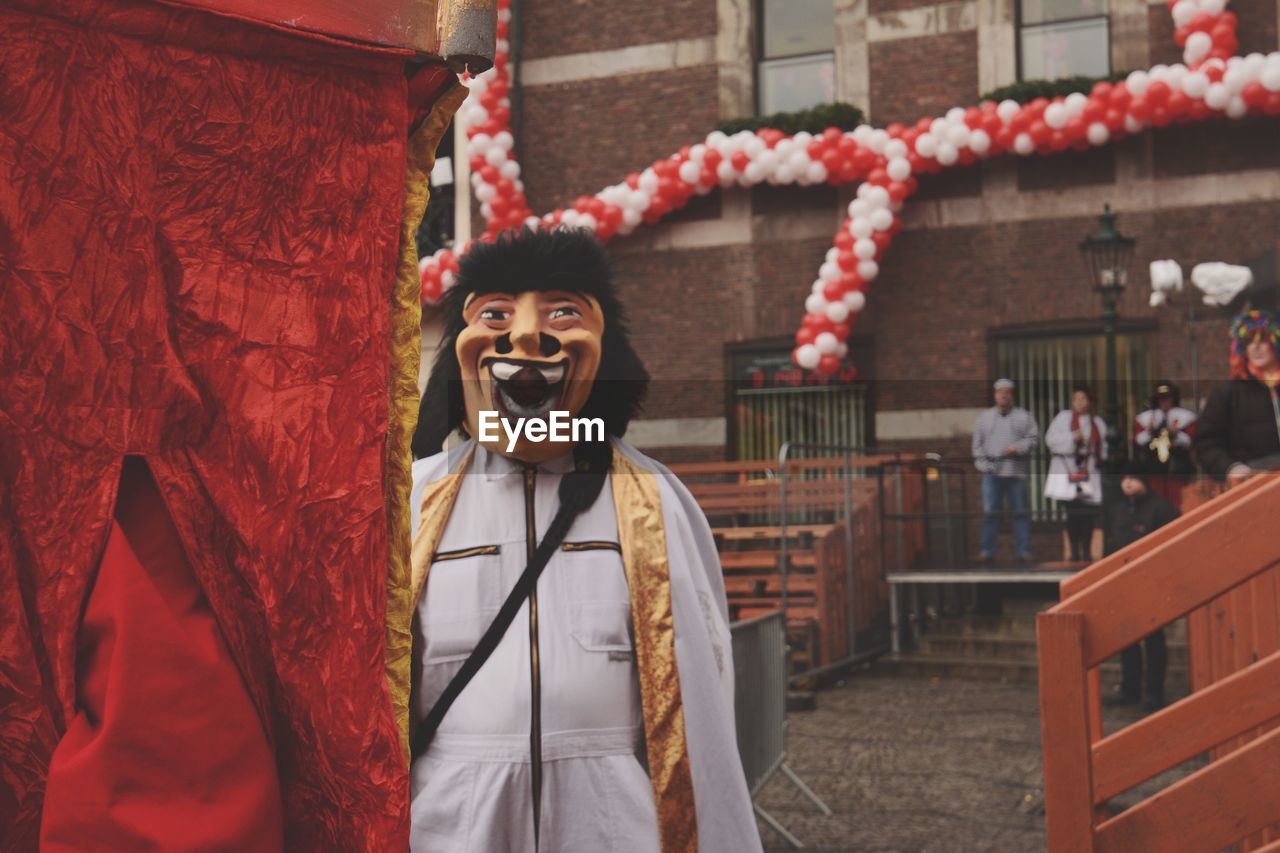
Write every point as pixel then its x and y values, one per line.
pixel 1162 436
pixel 602 716
pixel 1239 429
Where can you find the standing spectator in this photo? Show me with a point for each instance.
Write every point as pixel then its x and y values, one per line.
pixel 1239 429
pixel 1077 440
pixel 1128 520
pixel 1003 438
pixel 1162 442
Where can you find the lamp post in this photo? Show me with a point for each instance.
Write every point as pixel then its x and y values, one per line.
pixel 1107 254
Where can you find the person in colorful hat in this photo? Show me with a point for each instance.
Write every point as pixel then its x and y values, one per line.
pixel 1239 429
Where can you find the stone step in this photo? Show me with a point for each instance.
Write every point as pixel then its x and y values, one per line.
pixel 987 646
pixel 1009 671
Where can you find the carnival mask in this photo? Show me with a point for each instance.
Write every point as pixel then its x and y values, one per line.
pixel 523 356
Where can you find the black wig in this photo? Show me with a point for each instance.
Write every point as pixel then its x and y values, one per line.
pixel 565 259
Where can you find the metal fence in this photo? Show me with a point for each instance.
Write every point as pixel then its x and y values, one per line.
pixel 760 709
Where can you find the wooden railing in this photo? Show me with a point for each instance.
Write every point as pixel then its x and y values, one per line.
pixel 1217 550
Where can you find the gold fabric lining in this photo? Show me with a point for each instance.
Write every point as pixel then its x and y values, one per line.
pixel 591 546
pixel 643 541
pixel 463 553
pixel 402 398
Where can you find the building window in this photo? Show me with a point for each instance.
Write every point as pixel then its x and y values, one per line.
pixel 1047 367
pixel 797 65
pixel 773 402
pixel 1063 38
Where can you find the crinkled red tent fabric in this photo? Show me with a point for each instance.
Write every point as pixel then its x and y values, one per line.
pixel 199 225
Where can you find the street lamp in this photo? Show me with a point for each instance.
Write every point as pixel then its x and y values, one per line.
pixel 1107 254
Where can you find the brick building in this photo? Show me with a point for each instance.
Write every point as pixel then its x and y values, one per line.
pixel 985 278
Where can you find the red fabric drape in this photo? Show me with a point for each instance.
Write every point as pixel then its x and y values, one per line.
pixel 166 750
pixel 198 239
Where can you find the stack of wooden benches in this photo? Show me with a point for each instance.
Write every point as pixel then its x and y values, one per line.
pixel 743 501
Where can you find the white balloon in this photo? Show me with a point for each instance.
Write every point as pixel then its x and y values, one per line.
pixel 1158 72
pixel 784 174
pixel 979 142
pixel 803 138
pixel 1023 144
pixel 881 219
pixel 1136 83
pixel 955 114
pixel 807 356
pixel 755 147
pixel 938 128
pixel 878 140
pixel 753 174
pixel 485 193
pixel 716 138
pixel 632 217
pixel 864 248
pixel 480 143
pixel 1177 73
pixel 1237 108
pixel 898 169
pixel 862 133
pixel 829 272
pixel 1183 11
pixel 689 172
pixel 504 140
pixel 895 148
pixel 859 208
pixel 1218 96
pixel 1055 115
pixel 768 161
pixel 855 300
pixel 1007 109
pixel 698 152
pixel 1213 7
pixel 958 135
pixel 838 312
pixel 843 349
pixel 926 146
pixel 1075 103
pixel 649 181
pixel 868 270
pixel 947 153
pixel 877 196
pixel 1195 84
pixel 1198 46
pixel 826 343
pixel 1097 133
pixel 815 304
pixel 816 173
pixel 726 173
pixel 817 287
pixel 861 227
pixel 1270 76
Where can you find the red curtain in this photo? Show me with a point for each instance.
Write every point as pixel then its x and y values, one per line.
pixel 198 239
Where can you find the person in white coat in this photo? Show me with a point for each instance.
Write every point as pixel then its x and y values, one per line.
pixel 1077 439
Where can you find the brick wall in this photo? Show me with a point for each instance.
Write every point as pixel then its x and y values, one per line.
pixel 580 137
pixel 915 77
pixel 557 27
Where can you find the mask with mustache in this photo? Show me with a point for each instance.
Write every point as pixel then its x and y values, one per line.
pixel 524 355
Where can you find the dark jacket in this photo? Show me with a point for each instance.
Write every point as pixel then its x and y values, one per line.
pixel 1240 422
pixel 1129 519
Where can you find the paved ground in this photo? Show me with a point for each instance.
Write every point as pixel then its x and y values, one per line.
pixel 911 764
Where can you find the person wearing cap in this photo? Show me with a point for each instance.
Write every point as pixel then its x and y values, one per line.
pixel 1239 429
pixel 1004 436
pixel 1162 436
pixel 1128 520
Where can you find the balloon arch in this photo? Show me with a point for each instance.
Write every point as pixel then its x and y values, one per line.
pixel 1211 82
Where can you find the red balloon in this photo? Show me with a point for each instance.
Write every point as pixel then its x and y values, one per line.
pixel 879 177
pixel 1003 138
pixel 1140 109
pixel 831 160
pixel 1094 110
pixel 864 159
pixel 1114 120
pixel 845 259
pixel 828 364
pixel 1039 132
pixel 1160 116
pixel 1021 121
pixel 1157 93
pixel 740 160
pixel 883 239
pixel 1101 90
pixel 832 291
pixel 1177 103
pixel 712 158
pixel 1119 97
pixel 898 190
pixel 841 331
pixel 815 148
pixel 895 130
pixel 1200 22
pixel 1180 36
pixel 1074 128
pixel 804 336
pixel 1254 94
pixel 992 124
pixel 973 118
pixel 1273 104
pixel 832 135
pixel 844 240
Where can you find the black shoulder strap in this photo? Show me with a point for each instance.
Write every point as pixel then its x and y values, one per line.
pixel 578 491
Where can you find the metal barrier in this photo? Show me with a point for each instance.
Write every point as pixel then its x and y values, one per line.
pixel 850 471
pixel 760 709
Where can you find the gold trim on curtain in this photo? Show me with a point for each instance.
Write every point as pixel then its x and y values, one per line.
pixel 402 394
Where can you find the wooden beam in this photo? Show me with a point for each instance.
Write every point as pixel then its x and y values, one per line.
pixel 1064 727
pixel 1231 707
pixel 1217 805
pixel 1219 553
pixel 1112 563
